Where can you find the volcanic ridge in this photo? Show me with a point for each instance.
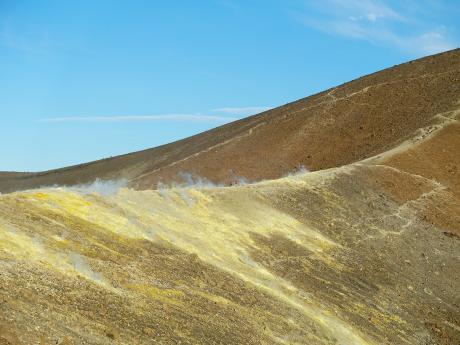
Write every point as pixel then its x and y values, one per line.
pixel 334 219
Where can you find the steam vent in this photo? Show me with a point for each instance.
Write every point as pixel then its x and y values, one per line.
pixel 334 219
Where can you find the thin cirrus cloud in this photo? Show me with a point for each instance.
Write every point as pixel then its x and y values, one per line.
pixel 236 114
pixel 142 118
pixel 387 23
pixel 242 110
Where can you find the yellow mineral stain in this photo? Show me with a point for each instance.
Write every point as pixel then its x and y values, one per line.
pixel 40 196
pixel 217 299
pixel 167 296
pixel 215 224
pixel 33 249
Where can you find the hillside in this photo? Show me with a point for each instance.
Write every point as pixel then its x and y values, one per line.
pixel 339 126
pixel 363 250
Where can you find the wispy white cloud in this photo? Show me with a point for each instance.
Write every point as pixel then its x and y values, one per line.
pixel 227 114
pixel 370 10
pixel 142 118
pixel 242 110
pixel 433 42
pixel 378 22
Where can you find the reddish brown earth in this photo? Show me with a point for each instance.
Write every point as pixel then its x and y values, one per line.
pixel 339 126
pixel 365 250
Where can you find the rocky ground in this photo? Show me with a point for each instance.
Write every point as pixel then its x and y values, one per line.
pixel 365 250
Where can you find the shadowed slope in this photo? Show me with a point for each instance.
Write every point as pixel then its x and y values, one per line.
pixel 342 125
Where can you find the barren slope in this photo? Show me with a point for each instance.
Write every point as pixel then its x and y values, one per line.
pixel 336 127
pixel 367 252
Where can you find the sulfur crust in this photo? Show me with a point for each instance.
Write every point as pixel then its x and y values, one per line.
pixel 215 224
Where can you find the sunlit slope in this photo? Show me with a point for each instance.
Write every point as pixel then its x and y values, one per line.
pixel 364 253
pixel 342 256
pixel 339 126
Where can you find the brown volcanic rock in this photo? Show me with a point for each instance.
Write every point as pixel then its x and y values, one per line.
pixel 437 159
pixel 363 253
pixel 339 126
pixel 341 256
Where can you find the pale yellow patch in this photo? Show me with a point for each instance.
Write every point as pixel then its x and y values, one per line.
pixel 215 224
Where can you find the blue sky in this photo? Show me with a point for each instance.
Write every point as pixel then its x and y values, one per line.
pixel 83 80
